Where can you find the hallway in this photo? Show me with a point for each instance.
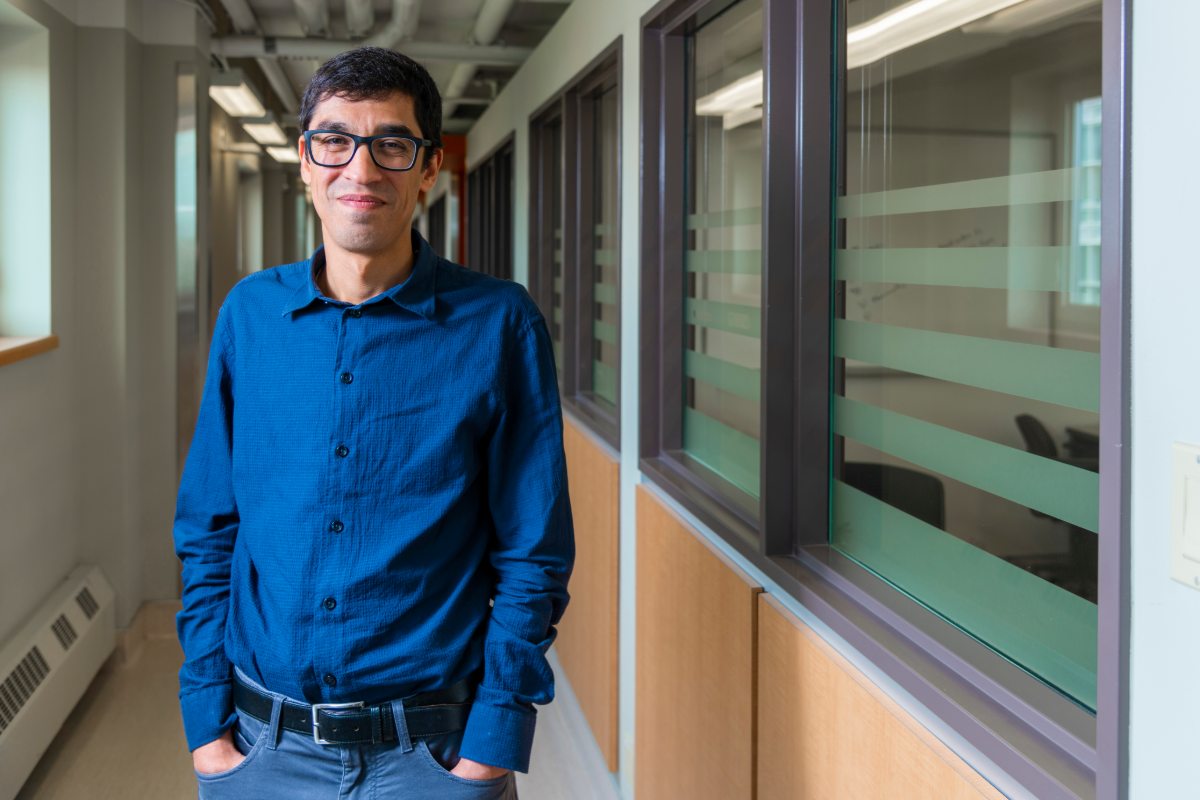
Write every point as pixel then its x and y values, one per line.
pixel 124 741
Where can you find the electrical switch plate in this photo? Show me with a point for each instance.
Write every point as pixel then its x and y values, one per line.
pixel 1185 515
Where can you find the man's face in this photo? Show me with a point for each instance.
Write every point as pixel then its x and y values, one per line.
pixel 363 208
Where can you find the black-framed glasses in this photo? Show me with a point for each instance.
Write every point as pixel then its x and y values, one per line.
pixel 337 148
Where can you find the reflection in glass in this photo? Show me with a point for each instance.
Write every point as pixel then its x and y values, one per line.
pixel 967 331
pixel 723 278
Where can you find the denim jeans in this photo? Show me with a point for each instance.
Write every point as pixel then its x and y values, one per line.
pixel 284 764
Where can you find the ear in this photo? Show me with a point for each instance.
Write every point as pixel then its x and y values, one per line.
pixel 429 173
pixel 305 167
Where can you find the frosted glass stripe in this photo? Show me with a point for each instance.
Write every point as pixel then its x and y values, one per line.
pixel 558 285
pixel 605 258
pixel 736 262
pixel 558 256
pixel 728 377
pixel 604 381
pixel 557 354
pixel 605 293
pixel 1042 627
pixel 605 230
pixel 1052 375
pixel 1070 493
pixel 1008 190
pixel 726 451
pixel 604 332
pixel 558 316
pixel 746 320
pixel 725 219
pixel 1035 269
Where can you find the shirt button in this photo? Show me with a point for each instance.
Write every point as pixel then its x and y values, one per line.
pixel 336 526
pixel 347 377
pixel 342 451
pixel 356 312
pixel 329 679
pixel 330 604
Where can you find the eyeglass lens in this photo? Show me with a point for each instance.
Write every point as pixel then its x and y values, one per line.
pixel 335 150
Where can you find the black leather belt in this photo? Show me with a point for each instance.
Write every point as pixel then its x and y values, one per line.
pixel 425 714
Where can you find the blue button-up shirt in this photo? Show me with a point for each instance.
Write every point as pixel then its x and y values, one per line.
pixel 363 480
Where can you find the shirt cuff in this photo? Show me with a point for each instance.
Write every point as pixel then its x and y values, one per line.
pixel 207 713
pixel 499 737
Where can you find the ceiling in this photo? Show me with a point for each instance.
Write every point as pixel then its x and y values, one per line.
pixel 437 22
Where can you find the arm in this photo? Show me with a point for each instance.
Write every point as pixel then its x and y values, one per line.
pixel 206 524
pixel 532 555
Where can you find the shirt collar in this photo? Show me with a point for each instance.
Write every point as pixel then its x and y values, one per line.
pixel 416 293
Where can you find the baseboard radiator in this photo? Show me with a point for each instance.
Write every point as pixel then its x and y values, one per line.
pixel 46 667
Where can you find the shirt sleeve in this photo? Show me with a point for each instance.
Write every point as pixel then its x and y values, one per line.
pixel 532 556
pixel 206 525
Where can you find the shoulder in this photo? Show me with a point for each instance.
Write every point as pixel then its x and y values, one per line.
pixel 272 285
pixel 505 302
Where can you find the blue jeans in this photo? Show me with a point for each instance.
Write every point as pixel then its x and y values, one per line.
pixel 284 764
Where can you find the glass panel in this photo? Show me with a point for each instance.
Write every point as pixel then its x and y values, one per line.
pixel 967 333
pixel 723 276
pixel 554 173
pixel 605 264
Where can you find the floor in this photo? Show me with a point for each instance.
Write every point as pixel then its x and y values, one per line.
pixel 124 740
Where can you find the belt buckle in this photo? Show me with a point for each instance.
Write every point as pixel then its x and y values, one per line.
pixel 316 707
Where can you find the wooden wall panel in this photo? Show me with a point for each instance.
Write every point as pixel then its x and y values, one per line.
pixel 694 732
pixel 825 731
pixel 587 637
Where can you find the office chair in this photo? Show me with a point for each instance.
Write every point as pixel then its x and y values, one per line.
pixel 917 494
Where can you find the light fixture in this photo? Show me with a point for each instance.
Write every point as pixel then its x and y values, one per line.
pixel 737 103
pixel 1028 14
pixel 911 24
pixel 232 93
pixel 284 155
pixel 265 130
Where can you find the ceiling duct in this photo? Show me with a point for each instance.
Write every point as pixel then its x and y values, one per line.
pixel 360 18
pixel 314 17
pixel 244 22
pixel 492 15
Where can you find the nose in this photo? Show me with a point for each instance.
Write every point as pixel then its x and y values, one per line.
pixel 362 168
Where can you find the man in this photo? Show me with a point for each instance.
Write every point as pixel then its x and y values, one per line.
pixel 373 520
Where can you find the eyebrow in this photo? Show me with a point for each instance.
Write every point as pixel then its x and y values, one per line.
pixel 384 130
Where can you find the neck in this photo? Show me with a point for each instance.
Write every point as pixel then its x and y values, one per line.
pixel 357 277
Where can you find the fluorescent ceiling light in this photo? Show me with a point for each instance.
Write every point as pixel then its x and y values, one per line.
pixel 1028 14
pixel 232 93
pixel 744 116
pixel 911 24
pixel 265 130
pixel 284 155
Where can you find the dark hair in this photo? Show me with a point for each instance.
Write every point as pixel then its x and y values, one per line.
pixel 371 73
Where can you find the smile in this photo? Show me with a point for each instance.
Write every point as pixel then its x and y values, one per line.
pixel 360 201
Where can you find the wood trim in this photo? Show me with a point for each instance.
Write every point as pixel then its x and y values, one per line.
pixel 826 731
pixel 588 635
pixel 18 348
pixel 696 673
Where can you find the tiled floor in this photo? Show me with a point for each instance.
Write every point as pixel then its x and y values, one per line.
pixel 124 741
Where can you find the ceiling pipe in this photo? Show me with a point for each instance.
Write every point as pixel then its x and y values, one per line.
pixel 244 22
pixel 314 16
pixel 360 18
pixel 322 49
pixel 492 15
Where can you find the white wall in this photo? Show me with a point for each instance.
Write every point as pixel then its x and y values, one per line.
pixel 87 431
pixel 1166 284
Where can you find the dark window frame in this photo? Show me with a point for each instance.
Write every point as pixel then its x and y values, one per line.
pixel 572 109
pixel 1045 743
pixel 489 213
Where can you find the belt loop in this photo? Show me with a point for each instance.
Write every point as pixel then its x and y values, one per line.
pixel 405 741
pixel 275 726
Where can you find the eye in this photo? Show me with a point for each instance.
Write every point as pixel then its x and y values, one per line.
pixel 395 145
pixel 331 140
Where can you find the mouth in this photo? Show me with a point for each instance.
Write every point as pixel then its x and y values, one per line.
pixel 361 202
